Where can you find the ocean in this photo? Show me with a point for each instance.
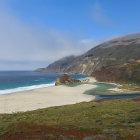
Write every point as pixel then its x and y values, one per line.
pixel 16 81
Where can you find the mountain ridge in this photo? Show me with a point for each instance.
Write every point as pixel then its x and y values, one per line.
pixel 116 52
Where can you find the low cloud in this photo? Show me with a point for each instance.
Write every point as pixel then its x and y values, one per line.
pixel 25 47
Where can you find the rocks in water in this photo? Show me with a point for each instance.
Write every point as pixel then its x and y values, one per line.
pixel 65 80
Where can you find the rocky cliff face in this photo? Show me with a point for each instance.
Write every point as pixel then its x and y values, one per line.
pixel 115 53
pixel 119 73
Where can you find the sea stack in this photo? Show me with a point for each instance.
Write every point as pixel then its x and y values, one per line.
pixel 65 80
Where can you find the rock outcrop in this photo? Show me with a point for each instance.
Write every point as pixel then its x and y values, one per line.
pixel 65 80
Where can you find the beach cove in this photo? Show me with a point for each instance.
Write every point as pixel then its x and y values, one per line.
pixel 45 97
pixel 61 95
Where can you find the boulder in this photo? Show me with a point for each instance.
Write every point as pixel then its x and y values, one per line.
pixel 65 80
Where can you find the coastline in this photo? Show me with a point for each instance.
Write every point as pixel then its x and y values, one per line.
pixel 50 96
pixel 27 88
pixel 18 81
pixel 45 97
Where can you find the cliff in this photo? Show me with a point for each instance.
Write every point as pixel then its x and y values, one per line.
pixel 119 73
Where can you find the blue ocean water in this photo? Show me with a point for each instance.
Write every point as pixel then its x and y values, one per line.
pixel 15 81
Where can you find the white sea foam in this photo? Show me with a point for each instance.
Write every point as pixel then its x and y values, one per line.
pixel 19 89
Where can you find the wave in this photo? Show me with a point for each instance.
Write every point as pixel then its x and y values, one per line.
pixel 19 89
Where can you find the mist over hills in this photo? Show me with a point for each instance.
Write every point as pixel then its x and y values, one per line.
pixel 120 52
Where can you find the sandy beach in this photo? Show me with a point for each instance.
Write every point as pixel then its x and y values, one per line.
pixel 45 97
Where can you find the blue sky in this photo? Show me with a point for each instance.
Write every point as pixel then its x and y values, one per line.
pixel 77 16
pixel 35 33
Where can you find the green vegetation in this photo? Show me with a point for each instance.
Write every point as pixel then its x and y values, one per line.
pixel 132 87
pixel 120 117
pixel 133 71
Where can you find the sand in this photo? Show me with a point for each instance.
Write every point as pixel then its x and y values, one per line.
pixel 45 97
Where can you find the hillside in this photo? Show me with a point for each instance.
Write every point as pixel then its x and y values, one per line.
pixel 117 119
pixel 117 52
pixel 119 73
pixel 58 66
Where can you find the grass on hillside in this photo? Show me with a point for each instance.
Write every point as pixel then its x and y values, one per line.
pixel 131 87
pixel 118 118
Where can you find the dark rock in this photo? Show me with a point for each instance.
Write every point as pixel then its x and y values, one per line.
pixel 65 80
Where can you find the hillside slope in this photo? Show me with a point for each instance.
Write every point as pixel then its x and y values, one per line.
pixel 117 52
pixel 58 66
pixel 117 119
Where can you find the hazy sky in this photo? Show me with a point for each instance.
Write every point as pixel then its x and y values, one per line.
pixel 34 33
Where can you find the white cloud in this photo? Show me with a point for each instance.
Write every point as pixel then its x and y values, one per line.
pixel 99 15
pixel 20 42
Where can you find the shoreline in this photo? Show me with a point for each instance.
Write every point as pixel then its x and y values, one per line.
pixel 45 97
pixel 29 87
pixel 51 96
pixel 26 88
